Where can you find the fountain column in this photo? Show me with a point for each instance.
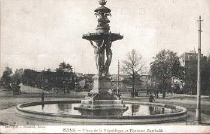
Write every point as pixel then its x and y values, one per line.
pixel 102 100
pixel 101 41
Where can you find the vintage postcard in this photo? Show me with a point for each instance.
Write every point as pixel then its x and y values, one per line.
pixel 105 66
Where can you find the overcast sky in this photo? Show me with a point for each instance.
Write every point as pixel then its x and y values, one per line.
pixel 40 34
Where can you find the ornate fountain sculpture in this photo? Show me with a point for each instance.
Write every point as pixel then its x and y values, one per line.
pixel 102 100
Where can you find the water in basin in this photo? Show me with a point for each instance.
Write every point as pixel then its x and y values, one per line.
pixel 68 108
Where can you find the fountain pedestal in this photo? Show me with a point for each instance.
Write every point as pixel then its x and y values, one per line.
pixel 100 84
pixel 102 100
pixel 93 107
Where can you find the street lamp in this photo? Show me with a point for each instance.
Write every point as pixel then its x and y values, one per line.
pixel 198 109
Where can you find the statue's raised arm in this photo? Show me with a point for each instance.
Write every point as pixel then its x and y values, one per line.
pixel 94 46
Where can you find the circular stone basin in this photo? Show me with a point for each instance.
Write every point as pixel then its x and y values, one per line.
pixel 137 113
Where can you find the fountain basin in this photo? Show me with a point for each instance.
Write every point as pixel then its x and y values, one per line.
pixel 137 113
pixel 99 36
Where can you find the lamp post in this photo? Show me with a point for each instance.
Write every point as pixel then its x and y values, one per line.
pixel 198 109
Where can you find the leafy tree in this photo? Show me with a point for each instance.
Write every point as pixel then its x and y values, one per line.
pixel 30 77
pixel 205 75
pixel 165 66
pixel 133 66
pixel 64 67
pixel 6 77
pixel 48 70
pixel 17 76
pixel 190 75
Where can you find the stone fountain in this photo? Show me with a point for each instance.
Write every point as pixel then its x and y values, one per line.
pixel 102 105
pixel 102 100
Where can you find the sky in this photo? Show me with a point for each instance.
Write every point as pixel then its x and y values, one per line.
pixel 40 34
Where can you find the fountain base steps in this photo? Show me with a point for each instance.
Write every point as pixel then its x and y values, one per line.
pixel 102 107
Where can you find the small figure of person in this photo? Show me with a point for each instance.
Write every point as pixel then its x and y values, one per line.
pixel 151 109
pixel 151 98
pixel 42 96
pixel 20 87
pixel 110 91
pixel 15 88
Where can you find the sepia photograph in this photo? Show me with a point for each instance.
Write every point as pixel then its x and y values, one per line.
pixel 105 66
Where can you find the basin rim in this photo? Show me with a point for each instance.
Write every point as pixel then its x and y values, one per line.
pixel 182 112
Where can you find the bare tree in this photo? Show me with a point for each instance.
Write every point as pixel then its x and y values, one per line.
pixel 133 66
